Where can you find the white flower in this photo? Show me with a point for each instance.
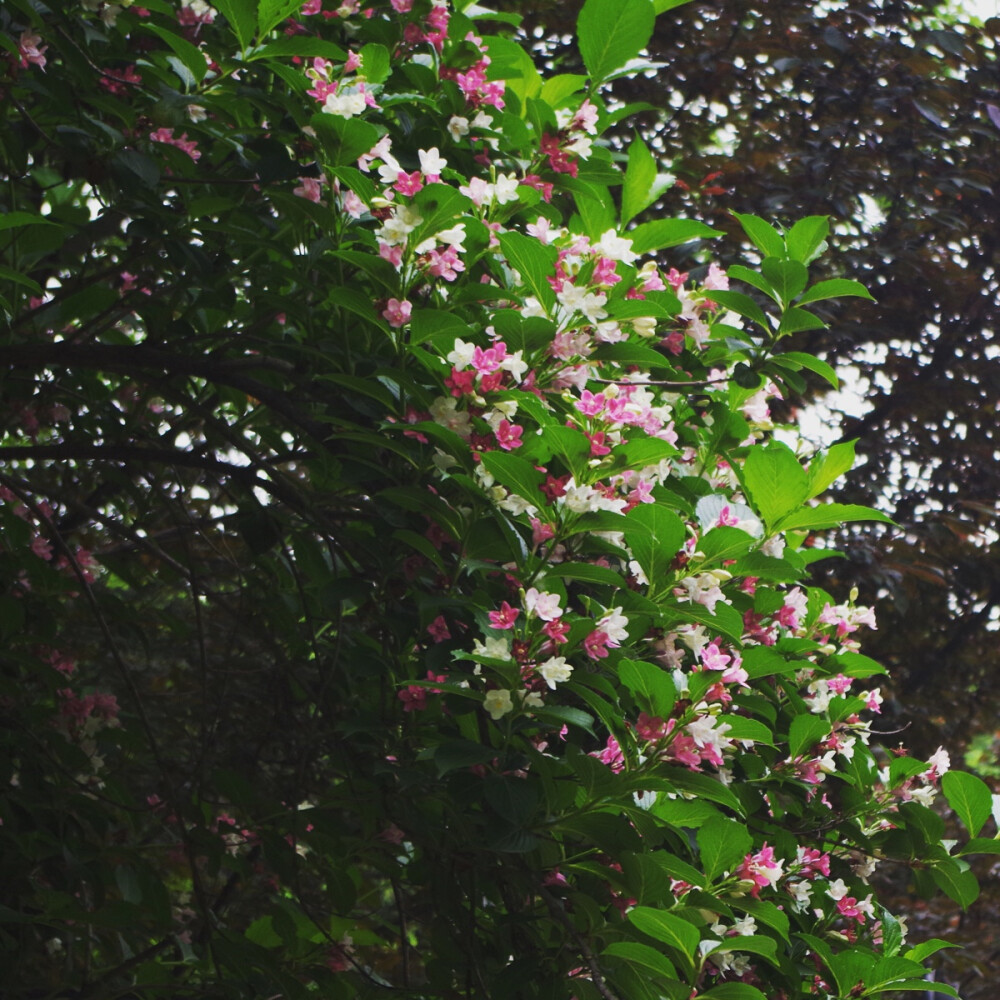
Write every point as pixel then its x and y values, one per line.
pixel 616 247
pixel 515 364
pixel 345 105
pixel 505 189
pixel 745 926
pixel 582 145
pixel 799 892
pixel 555 670
pixel 495 648
pixel 196 113
pixel 444 411
pixel 461 356
pixel 531 699
pixel 613 625
pixel 454 237
pixel 431 161
pixel 498 703
pixel 515 504
pixel 837 889
pixel 458 127
pixel 940 761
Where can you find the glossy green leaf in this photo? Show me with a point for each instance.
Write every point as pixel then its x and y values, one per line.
pixel 611 32
pixel 970 797
pixel 722 844
pixel 664 233
pixel 652 686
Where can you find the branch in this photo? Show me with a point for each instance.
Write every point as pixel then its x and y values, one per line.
pixel 133 360
pixel 557 909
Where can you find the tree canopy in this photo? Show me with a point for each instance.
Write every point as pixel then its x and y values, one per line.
pixel 405 590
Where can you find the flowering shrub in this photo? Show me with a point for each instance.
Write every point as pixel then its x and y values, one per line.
pixel 447 629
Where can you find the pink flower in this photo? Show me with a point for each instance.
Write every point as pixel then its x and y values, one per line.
pixel 590 404
pixel 508 435
pixel 596 644
pixel 542 604
pixel 556 630
pixel 182 142
pixel 353 62
pixel 30 51
pixel 761 868
pixel 611 755
pixel 505 617
pixel 408 184
pixel 397 313
pixel 717 279
pixel 541 532
pixel 310 188
pixel 488 361
pixel 438 629
pixel 393 254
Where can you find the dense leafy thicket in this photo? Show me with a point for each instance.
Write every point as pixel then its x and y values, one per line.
pixel 886 116
pixel 404 588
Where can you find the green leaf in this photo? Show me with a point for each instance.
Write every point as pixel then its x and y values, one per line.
pixel 762 234
pixel 673 931
pixel 298 45
pixel 662 6
pixel 980 845
pixel 702 786
pixel 652 685
pixel 807 238
pixel 242 18
pixel 742 305
pixel 640 176
pixel 970 797
pixel 733 991
pixel 192 57
pixel 751 277
pixel 534 261
pixel 925 949
pixel 811 363
pixel 835 288
pixel 375 62
pixel 654 533
pixel 795 320
pixel 831 515
pixel 586 573
pixel 642 954
pixel 722 843
pixel 752 944
pixel 956 882
pixel 6 274
pixel 924 986
pixel 805 732
pixel 829 466
pixel 557 88
pixel 516 474
pixel 270 13
pixel 457 754
pixel 344 139
pixel 764 913
pixel 611 32
pixel 775 481
pixel 663 233
pixel 14 220
pixel 787 277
